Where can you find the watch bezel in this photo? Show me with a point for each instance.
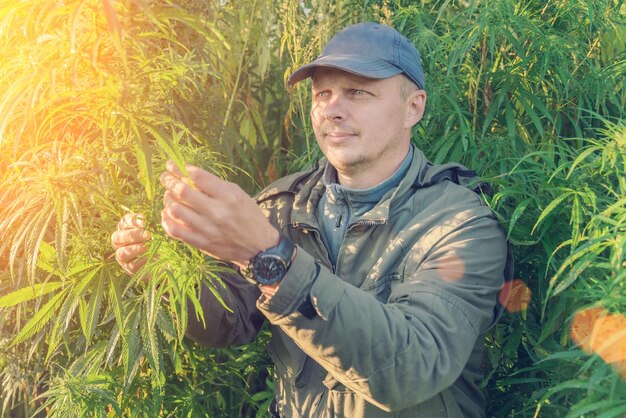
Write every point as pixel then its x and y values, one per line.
pixel 261 264
pixel 271 265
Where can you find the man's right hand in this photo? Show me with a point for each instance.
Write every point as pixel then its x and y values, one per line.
pixel 129 242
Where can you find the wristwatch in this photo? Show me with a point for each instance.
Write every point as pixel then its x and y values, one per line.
pixel 271 265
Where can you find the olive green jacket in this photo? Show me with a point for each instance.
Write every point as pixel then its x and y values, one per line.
pixel 395 329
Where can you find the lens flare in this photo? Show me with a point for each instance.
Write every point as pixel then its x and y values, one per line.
pixel 595 330
pixel 515 296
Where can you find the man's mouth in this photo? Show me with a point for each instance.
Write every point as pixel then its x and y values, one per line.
pixel 339 134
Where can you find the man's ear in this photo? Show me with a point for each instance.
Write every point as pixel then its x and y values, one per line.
pixel 416 103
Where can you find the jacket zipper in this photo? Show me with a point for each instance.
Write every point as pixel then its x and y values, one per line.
pixel 350 227
pixel 320 237
pixel 305 226
pixel 367 223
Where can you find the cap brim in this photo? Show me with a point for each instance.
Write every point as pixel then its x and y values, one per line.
pixel 355 64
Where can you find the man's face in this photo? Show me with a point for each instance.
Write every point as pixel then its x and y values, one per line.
pixel 363 125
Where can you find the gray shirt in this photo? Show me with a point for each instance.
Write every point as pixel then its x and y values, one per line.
pixel 340 206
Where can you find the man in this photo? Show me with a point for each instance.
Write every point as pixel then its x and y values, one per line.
pixel 377 273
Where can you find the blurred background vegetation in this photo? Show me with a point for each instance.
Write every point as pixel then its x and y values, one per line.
pixel 96 94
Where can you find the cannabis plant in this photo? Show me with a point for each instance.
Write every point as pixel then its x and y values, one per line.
pixel 95 96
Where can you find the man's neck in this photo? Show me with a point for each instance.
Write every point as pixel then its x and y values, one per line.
pixel 368 178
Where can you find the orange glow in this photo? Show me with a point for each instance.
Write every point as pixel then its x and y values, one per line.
pixel 515 296
pixel 454 268
pixel 608 338
pixel 582 327
pixel 597 331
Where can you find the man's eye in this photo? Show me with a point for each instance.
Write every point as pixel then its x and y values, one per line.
pixel 358 92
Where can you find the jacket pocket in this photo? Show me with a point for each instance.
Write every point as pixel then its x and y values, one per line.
pixel 298 389
pixel 294 368
pixel 343 402
pixel 286 355
pixel 289 368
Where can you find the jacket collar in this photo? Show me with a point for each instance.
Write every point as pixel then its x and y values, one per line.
pixel 309 196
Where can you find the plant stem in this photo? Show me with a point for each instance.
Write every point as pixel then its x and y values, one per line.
pixel 239 70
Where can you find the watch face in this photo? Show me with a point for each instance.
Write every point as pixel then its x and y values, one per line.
pixel 269 269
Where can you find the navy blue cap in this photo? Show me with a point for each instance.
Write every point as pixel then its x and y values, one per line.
pixel 370 50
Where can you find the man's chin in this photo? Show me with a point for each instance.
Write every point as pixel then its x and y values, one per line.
pixel 344 162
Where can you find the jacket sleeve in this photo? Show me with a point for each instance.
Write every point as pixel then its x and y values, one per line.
pixel 224 328
pixel 402 352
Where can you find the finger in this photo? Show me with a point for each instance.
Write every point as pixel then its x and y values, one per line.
pixel 131 220
pixel 130 253
pixel 184 214
pixel 167 179
pixel 173 169
pixel 182 232
pixel 208 183
pixel 182 192
pixel 172 223
pixel 125 237
pixel 133 267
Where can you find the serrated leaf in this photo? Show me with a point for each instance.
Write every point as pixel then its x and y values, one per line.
pixel 582 156
pixel 66 313
pixel 46 258
pixel 151 346
pixel 165 323
pixel 29 293
pixel 116 303
pixel 510 120
pixel 556 202
pixel 170 148
pixel 40 319
pixel 82 315
pixel 79 267
pixel 528 108
pixel 93 307
pixel 112 343
pixel 131 347
pixel 519 210
pixel 143 153
pixel 580 266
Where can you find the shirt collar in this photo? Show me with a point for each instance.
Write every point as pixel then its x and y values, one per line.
pixel 370 195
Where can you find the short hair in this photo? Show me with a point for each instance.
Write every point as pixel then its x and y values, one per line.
pixel 407 86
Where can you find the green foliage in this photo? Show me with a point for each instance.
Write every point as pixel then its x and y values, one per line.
pixel 96 95
pixel 527 94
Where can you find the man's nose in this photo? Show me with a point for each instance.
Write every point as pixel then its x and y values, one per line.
pixel 335 108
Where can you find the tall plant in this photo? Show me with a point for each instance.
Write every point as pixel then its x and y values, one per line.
pixel 96 96
pixel 531 95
